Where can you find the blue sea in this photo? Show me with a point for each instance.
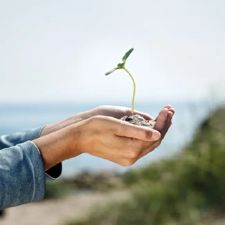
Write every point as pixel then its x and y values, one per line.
pixel 17 117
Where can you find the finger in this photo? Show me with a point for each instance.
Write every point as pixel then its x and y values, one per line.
pixel 167 125
pixel 113 111
pixel 115 154
pixel 170 116
pixel 131 147
pixel 151 148
pixel 168 106
pixel 133 143
pixel 126 129
pixel 163 133
pixel 124 151
pixel 161 119
pixel 119 111
pixel 172 110
pixel 145 115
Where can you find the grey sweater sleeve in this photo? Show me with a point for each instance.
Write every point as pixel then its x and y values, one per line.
pixel 22 176
pixel 20 137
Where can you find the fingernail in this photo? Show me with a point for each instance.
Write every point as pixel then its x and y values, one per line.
pixel 156 136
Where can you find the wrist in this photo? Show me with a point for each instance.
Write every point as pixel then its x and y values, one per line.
pixel 72 141
pixel 80 137
pixel 56 147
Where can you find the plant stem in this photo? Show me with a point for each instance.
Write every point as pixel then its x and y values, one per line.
pixel 134 88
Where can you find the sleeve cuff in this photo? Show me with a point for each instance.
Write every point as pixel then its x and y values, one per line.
pixel 21 137
pixel 38 168
pixel 53 172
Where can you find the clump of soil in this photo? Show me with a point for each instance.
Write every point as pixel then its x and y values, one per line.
pixel 139 120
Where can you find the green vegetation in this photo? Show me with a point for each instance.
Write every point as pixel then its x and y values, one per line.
pixel 84 181
pixel 188 189
pixel 57 189
pixel 121 66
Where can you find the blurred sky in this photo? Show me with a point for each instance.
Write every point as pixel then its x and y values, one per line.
pixel 52 50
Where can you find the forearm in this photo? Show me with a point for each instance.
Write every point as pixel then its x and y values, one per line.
pixel 56 147
pixel 112 111
pixel 65 123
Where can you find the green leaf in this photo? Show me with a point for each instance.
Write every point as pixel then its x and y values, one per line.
pixel 127 55
pixel 111 71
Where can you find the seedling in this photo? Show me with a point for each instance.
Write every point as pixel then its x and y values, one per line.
pixel 122 66
pixel 134 119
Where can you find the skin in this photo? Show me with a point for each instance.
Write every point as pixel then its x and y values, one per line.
pixel 101 133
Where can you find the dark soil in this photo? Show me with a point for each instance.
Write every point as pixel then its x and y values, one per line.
pixel 139 120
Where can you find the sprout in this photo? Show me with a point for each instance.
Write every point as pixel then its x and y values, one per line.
pixel 121 66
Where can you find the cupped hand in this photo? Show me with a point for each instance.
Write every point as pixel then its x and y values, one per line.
pixel 113 139
pixel 119 141
pixel 163 120
pixel 103 136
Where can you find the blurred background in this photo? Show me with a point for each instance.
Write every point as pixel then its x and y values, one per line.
pixel 53 58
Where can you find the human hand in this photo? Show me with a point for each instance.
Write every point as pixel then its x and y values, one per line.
pixel 163 120
pixel 123 148
pixel 101 136
pixel 105 137
pixel 113 139
pixel 105 110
